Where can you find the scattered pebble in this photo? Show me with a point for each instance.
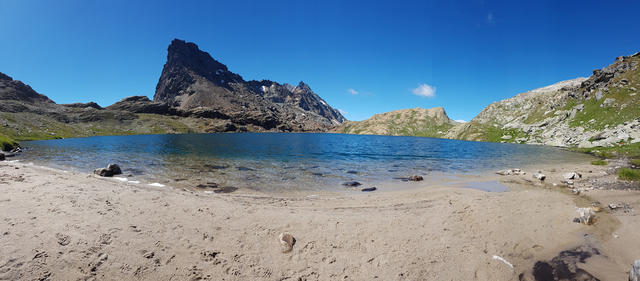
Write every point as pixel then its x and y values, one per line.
pixel 539 176
pixel 416 178
pixel 352 184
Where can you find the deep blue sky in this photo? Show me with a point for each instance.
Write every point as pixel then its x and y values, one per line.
pixel 472 52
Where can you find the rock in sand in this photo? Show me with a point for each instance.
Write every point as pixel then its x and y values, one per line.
pixel 352 184
pixel 286 242
pixel 509 172
pixel 368 189
pixel 539 176
pixel 572 176
pixel 416 178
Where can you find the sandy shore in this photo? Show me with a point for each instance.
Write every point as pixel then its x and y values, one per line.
pixel 58 225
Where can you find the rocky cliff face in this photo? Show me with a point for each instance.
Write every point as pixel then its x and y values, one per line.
pixel 15 96
pixel 194 84
pixel 422 122
pixel 601 110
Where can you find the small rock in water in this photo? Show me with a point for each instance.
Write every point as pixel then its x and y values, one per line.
pixel 215 167
pixel 352 172
pixel 114 168
pixel 352 184
pixel 634 273
pixel 539 176
pixel 2 156
pixel 245 169
pixel 286 242
pixel 416 178
pixel 373 188
pixel 572 176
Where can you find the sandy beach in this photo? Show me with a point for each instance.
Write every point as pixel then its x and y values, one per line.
pixel 61 225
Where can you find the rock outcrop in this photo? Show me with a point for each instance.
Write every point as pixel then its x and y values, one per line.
pixel 422 122
pixel 194 84
pixel 141 104
pixel 14 90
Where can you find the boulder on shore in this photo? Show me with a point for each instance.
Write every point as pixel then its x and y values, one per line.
pixel 109 171
pixel 572 176
pixel 416 178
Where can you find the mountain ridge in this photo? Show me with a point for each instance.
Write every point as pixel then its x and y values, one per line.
pixel 195 93
pixel 432 122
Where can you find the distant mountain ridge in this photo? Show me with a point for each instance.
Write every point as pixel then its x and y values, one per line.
pixel 421 122
pixel 195 93
pixel 601 110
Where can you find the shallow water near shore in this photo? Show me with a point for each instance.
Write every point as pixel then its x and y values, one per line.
pixel 287 161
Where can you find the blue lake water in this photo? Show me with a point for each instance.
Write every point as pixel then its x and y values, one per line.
pixel 286 161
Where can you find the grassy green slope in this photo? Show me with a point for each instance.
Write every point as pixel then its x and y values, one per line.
pixel 7 143
pixel 31 126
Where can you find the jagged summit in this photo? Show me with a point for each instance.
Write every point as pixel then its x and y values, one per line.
pixel 194 83
pixel 185 60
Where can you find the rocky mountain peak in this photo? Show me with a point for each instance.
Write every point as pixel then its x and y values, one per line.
pixel 5 77
pixel 185 64
pixel 303 87
pixel 194 83
pixel 187 54
pixel 14 90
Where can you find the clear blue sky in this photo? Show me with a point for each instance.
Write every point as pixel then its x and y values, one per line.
pixel 471 52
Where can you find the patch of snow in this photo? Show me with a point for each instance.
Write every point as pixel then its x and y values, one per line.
pixel 156 184
pixel 460 121
pixel 121 179
pixel 323 102
pixel 219 71
pixel 263 88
